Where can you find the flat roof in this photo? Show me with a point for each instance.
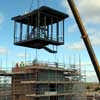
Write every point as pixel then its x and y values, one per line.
pixel 5 74
pixel 40 66
pixel 30 18
pixel 46 68
pixel 58 94
pixel 51 82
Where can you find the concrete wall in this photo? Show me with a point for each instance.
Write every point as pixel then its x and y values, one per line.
pixel 60 88
pixel 45 88
pixel 42 88
pixel 48 98
pixel 50 75
pixel 44 98
pixel 61 98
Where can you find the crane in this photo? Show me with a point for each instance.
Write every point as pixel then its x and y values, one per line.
pixel 85 37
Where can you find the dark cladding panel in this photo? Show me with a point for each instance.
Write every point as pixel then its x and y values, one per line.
pixel 44 11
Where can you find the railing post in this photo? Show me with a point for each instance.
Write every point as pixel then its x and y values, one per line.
pixel 63 30
pixel 21 28
pixel 57 32
pixel 15 26
pixel 27 31
pixel 51 28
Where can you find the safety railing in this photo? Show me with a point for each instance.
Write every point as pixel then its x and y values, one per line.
pixel 39 36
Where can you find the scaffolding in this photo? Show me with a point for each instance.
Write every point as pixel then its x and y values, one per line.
pixel 5 88
pixel 50 81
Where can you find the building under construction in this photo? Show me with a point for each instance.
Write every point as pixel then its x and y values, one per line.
pixel 5 86
pixel 45 81
pixel 40 82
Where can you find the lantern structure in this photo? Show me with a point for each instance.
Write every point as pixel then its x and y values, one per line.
pixel 40 28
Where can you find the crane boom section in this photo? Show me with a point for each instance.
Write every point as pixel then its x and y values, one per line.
pixel 85 37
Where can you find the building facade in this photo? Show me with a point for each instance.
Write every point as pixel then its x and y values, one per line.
pixel 39 82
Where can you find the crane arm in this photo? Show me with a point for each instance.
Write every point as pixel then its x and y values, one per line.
pixel 85 37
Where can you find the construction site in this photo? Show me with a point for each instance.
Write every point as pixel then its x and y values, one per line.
pixel 44 81
pixel 44 28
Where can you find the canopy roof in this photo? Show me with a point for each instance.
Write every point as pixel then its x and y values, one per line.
pixel 44 12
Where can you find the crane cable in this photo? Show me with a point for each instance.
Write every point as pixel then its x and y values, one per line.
pixel 31 4
pixel 36 54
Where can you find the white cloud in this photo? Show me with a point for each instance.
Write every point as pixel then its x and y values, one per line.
pixel 89 10
pixel 3 50
pixel 94 38
pixel 76 46
pixel 90 13
pixel 91 73
pixel 91 76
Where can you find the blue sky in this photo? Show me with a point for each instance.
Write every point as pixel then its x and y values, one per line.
pixel 73 43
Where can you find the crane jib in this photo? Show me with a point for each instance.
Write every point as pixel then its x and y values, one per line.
pixel 85 38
